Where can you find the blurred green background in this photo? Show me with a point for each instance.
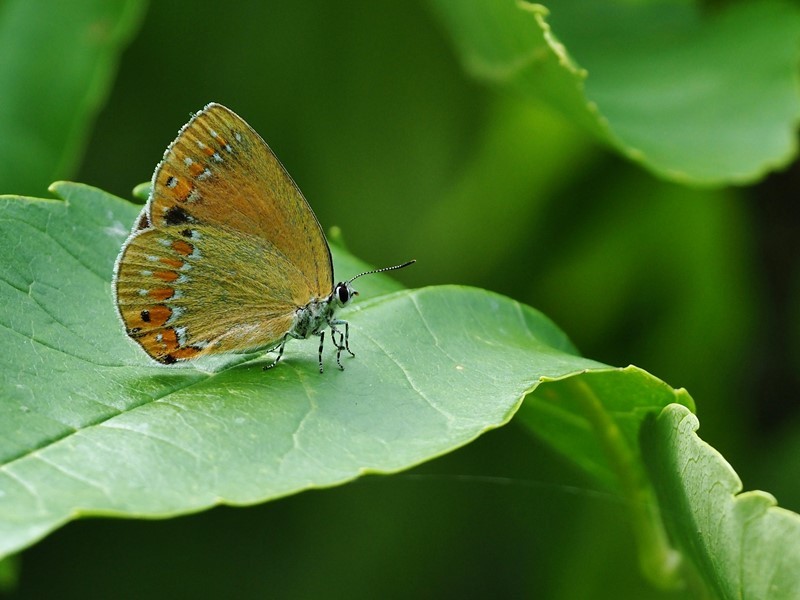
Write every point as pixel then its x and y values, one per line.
pixel 370 110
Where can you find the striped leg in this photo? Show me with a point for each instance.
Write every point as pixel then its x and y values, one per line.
pixel 321 341
pixel 280 352
pixel 345 338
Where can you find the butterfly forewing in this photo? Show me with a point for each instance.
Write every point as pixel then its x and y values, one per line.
pixel 220 171
pixel 226 249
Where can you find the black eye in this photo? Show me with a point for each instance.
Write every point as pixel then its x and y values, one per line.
pixel 342 293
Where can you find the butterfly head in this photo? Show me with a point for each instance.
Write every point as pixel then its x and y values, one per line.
pixel 343 292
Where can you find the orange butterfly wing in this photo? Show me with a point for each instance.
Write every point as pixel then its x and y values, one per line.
pixel 225 250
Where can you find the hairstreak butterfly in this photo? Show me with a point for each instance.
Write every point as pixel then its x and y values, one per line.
pixel 227 255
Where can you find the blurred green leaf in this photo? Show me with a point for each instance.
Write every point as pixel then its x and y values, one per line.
pixel 667 281
pixel 60 57
pixel 741 544
pixel 9 573
pixel 142 191
pixel 704 99
pixel 500 196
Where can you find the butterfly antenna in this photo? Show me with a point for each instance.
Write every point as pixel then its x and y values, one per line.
pixel 394 268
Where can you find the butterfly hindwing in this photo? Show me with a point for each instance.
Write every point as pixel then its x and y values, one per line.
pixel 177 305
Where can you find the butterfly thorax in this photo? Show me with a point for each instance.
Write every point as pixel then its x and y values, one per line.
pixel 313 317
pixel 318 314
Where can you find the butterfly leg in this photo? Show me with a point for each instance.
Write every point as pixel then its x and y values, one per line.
pixel 280 353
pixel 335 343
pixel 321 340
pixel 340 345
pixel 345 337
pixel 280 349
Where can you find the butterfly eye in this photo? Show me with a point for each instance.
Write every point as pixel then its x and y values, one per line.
pixel 342 293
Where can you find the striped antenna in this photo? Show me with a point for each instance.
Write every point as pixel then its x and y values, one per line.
pixel 405 264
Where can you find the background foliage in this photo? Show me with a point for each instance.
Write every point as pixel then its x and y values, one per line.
pixel 392 133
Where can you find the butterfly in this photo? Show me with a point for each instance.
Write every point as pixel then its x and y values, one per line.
pixel 227 255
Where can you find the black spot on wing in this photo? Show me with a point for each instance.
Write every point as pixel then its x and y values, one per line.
pixel 177 216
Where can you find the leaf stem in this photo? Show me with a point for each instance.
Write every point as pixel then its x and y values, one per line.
pixel 659 562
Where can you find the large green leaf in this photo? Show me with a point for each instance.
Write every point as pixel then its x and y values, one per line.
pixel 59 57
pixel 90 426
pixel 741 544
pixel 706 99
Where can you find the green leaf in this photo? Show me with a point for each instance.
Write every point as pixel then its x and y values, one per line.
pixel 704 99
pixel 741 544
pixel 9 573
pixel 60 57
pixel 594 418
pixel 89 425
